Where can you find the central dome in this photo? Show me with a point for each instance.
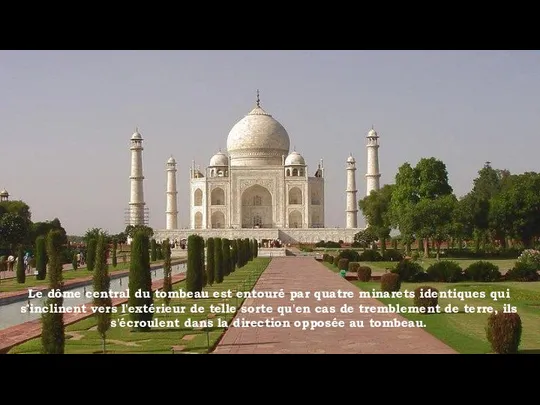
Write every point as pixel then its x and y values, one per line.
pixel 257 140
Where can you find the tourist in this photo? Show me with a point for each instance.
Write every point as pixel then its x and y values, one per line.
pixel 11 261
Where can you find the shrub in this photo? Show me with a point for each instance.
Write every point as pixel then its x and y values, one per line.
pixel 503 332
pixel 330 259
pixel 445 271
pixel 320 244
pixel 332 244
pixel 325 257
pixel 336 260
pixel 370 255
pixel 408 270
pixel 353 267
pixel 390 282
pixel 522 271
pixel 425 302
pixel 392 255
pixel 530 257
pixel 343 264
pixel 363 273
pixel 482 271
pixel 415 255
pixel 352 255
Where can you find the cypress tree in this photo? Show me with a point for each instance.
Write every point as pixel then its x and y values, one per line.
pixel 21 274
pixel 249 251
pixel 153 245
pixel 159 248
pixel 233 255
pixel 102 282
pixel 218 261
pixel 194 280
pixel 210 262
pixel 167 282
pixel 256 248
pixel 114 253
pixel 203 265
pixel 41 258
pixel 140 279
pixel 91 254
pixel 52 324
pixel 226 243
pixel 250 246
pixel 239 253
pixel 74 262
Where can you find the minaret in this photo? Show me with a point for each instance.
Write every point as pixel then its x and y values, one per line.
pixel 172 206
pixel 136 202
pixel 372 175
pixel 352 204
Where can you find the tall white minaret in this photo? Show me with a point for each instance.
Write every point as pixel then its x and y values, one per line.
pixel 352 204
pixel 172 206
pixel 136 202
pixel 372 175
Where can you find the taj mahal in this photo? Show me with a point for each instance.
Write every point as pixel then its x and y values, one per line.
pixel 258 188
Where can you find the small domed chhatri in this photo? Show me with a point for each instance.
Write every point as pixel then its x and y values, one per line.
pixel 136 134
pixel 295 159
pixel 219 159
pixel 350 159
pixel 171 161
pixel 258 139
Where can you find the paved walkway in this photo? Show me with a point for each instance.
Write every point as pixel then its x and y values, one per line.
pixel 306 274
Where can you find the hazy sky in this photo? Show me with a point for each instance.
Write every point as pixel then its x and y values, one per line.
pixel 66 118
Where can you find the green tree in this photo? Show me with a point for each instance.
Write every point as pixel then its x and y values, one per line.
pixel 20 271
pixel 41 258
pixel 153 249
pixel 365 238
pixel 52 329
pixel 376 209
pixel 218 261
pixel 194 277
pixel 101 284
pixel 91 253
pixel 74 262
pixel 167 276
pixel 17 207
pixel 114 253
pixel 226 245
pixel 140 280
pixel 248 250
pixel 427 181
pixel 203 266
pixel 14 229
pixel 515 209
pixel 93 233
pixel 210 262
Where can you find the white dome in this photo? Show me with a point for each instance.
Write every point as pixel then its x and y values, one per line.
pixel 257 139
pixel 295 158
pixel 171 161
pixel 219 159
pixel 4 192
pixel 350 159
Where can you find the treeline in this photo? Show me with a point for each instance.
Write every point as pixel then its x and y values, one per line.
pixel 211 261
pixel 500 211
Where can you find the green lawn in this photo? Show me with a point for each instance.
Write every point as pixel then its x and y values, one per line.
pixel 465 332
pixel 83 338
pixel 10 285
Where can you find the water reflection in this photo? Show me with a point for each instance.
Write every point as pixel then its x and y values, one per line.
pixel 10 314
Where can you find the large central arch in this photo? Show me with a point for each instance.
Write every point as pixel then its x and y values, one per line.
pixel 257 208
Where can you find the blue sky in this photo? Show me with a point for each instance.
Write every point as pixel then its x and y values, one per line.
pixel 67 116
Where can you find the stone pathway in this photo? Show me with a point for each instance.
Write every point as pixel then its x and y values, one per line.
pixel 306 274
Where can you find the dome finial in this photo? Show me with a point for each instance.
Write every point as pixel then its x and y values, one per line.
pixel 258 99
